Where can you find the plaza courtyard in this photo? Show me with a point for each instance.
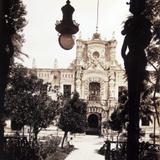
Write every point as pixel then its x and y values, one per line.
pixel 87 147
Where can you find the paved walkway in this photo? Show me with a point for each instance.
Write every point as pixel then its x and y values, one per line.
pixel 87 147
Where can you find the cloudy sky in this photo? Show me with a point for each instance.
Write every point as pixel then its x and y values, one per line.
pixel 42 39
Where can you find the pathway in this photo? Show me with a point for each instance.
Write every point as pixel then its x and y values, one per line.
pixel 87 147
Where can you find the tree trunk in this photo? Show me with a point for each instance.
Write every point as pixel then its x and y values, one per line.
pixel 133 127
pixel 23 131
pixel 135 69
pixel 1 88
pixel 4 67
pixel 35 136
pixel 36 131
pixel 29 132
pixel 138 36
pixel 2 94
pixel 117 140
pixel 64 137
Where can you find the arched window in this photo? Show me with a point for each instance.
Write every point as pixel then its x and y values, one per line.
pixel 94 91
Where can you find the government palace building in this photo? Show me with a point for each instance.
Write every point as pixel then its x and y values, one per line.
pixel 96 75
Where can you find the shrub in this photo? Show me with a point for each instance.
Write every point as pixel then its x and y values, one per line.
pixel 48 147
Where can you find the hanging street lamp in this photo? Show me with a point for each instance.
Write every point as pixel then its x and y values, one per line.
pixel 67 27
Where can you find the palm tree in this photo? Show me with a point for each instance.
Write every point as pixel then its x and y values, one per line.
pixel 137 38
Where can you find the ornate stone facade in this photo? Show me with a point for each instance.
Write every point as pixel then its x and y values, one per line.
pixel 95 74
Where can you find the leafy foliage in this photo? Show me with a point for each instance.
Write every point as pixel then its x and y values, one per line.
pixel 119 118
pixel 152 9
pixel 12 23
pixel 153 50
pixel 73 116
pixel 14 13
pixel 27 101
pixel 120 115
pixel 48 148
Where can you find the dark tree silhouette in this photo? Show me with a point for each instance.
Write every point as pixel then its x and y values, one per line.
pixel 73 116
pixel 27 101
pixel 119 117
pixel 11 24
pixel 153 50
pixel 153 55
pixel 137 38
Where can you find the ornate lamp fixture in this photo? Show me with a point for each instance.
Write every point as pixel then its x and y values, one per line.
pixel 67 27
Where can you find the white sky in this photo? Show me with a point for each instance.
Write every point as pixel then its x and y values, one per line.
pixel 42 38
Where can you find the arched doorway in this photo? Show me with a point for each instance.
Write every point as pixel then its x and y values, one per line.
pixel 93 124
pixel 93 121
